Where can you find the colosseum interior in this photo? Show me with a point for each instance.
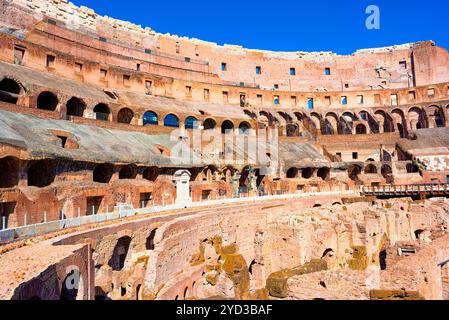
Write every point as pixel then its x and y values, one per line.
pixel 136 165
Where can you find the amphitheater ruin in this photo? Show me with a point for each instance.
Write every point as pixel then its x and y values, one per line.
pixel 136 165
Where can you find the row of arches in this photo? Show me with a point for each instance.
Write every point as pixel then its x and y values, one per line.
pixel 401 120
pixel 379 121
pixel 191 122
pixel 362 122
pixel 308 173
pixel 42 173
pixel 46 100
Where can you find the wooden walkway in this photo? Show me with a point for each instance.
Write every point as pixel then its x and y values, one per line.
pixel 421 190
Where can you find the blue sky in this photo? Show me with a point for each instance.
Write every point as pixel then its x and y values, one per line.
pixel 287 25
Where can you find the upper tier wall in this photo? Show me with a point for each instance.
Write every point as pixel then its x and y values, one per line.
pixel 393 67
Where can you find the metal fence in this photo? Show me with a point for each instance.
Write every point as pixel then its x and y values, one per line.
pixel 124 210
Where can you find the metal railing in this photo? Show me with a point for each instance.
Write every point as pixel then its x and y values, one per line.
pixel 124 211
pixel 407 189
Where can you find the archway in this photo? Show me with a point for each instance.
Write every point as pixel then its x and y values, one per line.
pixel 171 120
pixel 209 124
pixel 150 173
pixel 331 124
pixel 323 173
pixel 292 173
pixel 438 116
pixel 347 123
pixel 385 121
pixel 127 172
pixel 9 172
pixel 102 173
pixel 386 172
pixel 244 128
pixel 370 169
pixel 9 91
pixel 360 129
pixel 151 118
pixel 125 115
pixel 191 123
pixel 102 112
pixel 75 107
pixel 353 172
pixel 47 101
pixel 292 130
pixel 40 174
pixel 149 243
pixel 227 127
pixel 416 119
pixel 307 173
pixel 118 258
pixel 412 168
pixel 399 121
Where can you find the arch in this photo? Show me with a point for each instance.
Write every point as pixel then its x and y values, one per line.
pixel 244 128
pixel 209 124
pixel 331 124
pixel 386 171
pixel 171 120
pixel 227 126
pixel 150 173
pixel 47 101
pixel 370 169
pixel 437 114
pixel 227 173
pixel 125 115
pixel 9 90
pixel 40 174
pixel 316 120
pixel 386 156
pixel 354 171
pixel 399 121
pixel 102 112
pixel 286 118
pixel 150 117
pixel 385 120
pixel 307 173
pixel 360 129
pixel 412 168
pixel 347 122
pixel 266 115
pixel 191 123
pixel 323 173
pixel 292 130
pixel 149 243
pixel 119 254
pixel 127 172
pixel 416 118
pixel 75 107
pixel 9 172
pixel 103 173
pixel 292 173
